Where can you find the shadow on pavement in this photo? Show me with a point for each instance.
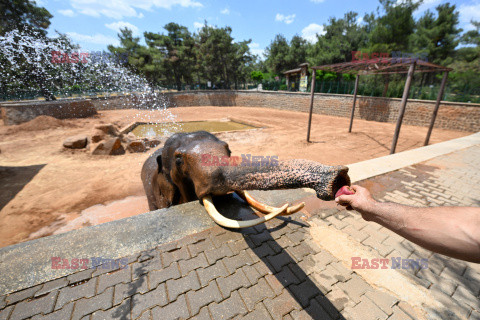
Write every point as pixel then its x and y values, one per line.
pixel 281 265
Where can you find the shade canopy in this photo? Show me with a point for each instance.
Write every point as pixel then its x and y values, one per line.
pixel 382 66
pixel 298 70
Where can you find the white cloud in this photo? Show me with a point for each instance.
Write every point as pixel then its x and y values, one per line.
pixel 310 32
pixel 96 39
pixel 468 13
pixel 116 26
pixel 359 20
pixel 67 12
pixel 317 1
pixel 198 25
pixel 258 52
pixel 119 9
pixel 225 11
pixel 426 5
pixel 287 19
pixel 255 49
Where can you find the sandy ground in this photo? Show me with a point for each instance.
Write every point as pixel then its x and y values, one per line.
pixel 46 189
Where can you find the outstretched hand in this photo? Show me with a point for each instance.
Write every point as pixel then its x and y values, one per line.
pixel 452 231
pixel 362 201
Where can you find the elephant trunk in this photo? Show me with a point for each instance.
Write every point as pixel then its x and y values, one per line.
pixel 289 174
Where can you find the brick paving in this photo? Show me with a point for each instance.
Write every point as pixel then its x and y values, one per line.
pixel 449 180
pixel 277 270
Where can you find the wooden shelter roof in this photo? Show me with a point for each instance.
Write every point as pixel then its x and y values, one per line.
pixel 298 70
pixel 382 66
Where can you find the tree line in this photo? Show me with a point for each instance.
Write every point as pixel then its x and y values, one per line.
pixel 392 28
pixel 179 57
pixel 176 57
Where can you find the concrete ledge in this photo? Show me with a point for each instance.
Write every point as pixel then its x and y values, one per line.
pixel 29 263
pixel 374 167
pixel 16 113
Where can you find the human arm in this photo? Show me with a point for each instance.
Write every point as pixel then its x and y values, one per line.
pixel 452 231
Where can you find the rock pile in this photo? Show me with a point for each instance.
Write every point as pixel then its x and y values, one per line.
pixel 106 139
pixel 111 147
pixel 76 142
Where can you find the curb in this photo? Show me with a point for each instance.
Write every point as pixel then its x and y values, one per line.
pixel 374 167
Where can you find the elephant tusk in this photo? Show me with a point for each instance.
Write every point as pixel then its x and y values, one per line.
pixel 265 208
pixel 229 223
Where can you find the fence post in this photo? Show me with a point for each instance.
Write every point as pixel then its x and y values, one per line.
pixel 354 100
pixel 403 105
pixel 312 96
pixel 437 106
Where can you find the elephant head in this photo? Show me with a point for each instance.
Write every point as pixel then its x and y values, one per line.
pixel 198 165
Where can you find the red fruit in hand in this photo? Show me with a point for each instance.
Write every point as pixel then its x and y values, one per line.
pixel 344 190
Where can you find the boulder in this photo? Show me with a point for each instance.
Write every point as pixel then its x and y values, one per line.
pixel 110 147
pixel 108 128
pixel 129 137
pixel 136 146
pixel 76 142
pixel 98 135
pixel 153 142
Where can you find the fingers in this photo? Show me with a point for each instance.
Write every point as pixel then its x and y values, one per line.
pixel 361 190
pixel 356 187
pixel 344 199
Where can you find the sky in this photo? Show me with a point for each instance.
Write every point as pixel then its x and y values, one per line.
pixel 94 24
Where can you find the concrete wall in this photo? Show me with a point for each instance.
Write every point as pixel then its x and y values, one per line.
pixel 451 115
pixel 16 112
pixel 23 111
pixel 137 101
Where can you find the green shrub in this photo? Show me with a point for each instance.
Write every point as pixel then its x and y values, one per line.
pixel 257 76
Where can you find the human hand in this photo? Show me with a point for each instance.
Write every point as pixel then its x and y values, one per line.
pixel 362 201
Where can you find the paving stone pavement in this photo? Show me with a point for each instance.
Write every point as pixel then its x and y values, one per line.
pixel 258 273
pixel 449 180
pixel 276 270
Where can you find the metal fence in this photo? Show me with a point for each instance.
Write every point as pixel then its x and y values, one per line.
pixel 466 93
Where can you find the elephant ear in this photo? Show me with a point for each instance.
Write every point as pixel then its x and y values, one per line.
pixel 164 191
pixel 160 192
pixel 159 163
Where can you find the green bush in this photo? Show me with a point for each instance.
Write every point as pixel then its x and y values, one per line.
pixel 257 76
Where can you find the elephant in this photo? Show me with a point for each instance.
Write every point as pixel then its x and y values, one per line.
pixel 179 173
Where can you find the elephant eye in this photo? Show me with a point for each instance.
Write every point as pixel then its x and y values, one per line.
pixel 178 159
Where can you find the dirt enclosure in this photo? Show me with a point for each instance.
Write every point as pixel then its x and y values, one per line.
pixel 47 189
